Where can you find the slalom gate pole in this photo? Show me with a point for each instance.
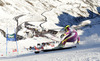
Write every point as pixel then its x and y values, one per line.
pixel 6 46
pixel 16 42
pixel 17 47
pixel 6 41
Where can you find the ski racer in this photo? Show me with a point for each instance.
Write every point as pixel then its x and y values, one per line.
pixel 71 35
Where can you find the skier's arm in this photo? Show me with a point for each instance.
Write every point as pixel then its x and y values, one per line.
pixel 68 32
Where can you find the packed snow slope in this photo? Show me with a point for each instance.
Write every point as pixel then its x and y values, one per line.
pixel 58 13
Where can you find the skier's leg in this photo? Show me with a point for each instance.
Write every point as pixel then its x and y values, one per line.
pixel 78 39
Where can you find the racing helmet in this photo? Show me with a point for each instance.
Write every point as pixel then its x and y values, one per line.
pixel 67 27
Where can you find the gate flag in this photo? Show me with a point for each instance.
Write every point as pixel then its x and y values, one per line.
pixel 11 37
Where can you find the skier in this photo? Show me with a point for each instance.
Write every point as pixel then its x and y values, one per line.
pixel 71 35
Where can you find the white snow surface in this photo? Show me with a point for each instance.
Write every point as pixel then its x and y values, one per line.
pixel 87 50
